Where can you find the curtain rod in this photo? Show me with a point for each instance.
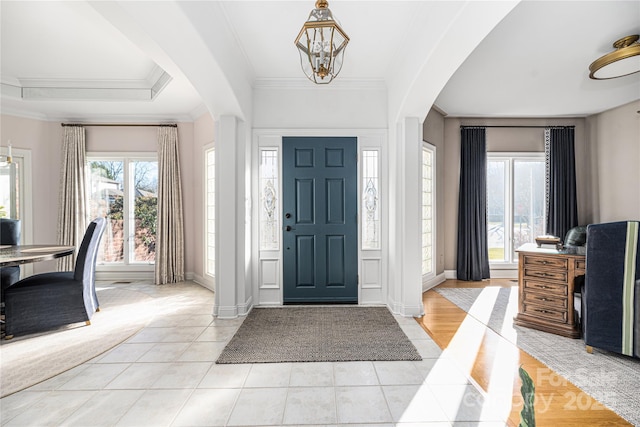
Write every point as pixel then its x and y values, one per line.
pixel 173 125
pixel 516 126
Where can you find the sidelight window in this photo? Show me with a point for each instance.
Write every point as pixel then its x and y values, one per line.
pixel 210 156
pixel 428 203
pixel 269 200
pixel 370 199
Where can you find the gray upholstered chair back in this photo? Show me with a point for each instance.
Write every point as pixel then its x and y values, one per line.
pixel 85 269
pixel 9 235
pixel 609 317
pixel 9 231
pixel 88 251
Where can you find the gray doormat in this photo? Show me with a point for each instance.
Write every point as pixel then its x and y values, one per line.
pixel 318 334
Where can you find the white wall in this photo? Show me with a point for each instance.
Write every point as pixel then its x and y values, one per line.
pixel 44 139
pixel 308 106
pixel 617 133
pixel 203 134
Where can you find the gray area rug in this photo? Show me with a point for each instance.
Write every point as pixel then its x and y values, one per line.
pixel 610 378
pixel 30 359
pixel 318 334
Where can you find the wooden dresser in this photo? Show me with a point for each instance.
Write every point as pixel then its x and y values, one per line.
pixel 546 280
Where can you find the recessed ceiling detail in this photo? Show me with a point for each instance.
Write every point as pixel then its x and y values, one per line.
pixel 89 90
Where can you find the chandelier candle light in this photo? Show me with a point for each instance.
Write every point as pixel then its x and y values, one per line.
pixel 321 44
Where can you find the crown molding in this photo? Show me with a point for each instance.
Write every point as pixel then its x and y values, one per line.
pixel 108 118
pixel 24 114
pixel 197 112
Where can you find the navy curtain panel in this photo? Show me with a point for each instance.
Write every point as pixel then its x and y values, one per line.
pixel 473 248
pixel 562 205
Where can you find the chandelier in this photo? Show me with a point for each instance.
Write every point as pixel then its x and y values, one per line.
pixel 623 61
pixel 321 44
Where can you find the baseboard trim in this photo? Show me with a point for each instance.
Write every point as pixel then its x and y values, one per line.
pixel 233 311
pixel 433 282
pixel 495 274
pixel 405 310
pixel 129 276
pixel 504 274
pixel 204 282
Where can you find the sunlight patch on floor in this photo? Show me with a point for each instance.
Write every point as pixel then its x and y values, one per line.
pixel 468 349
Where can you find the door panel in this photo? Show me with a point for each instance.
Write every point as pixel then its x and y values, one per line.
pixel 320 219
pixel 305 262
pixel 335 261
pixel 335 201
pixel 305 201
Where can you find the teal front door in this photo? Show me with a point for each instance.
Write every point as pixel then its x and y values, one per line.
pixel 320 222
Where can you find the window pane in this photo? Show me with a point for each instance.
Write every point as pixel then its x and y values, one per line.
pixel 10 189
pixel 269 213
pixel 211 212
pixel 124 191
pixel 427 211
pixel 528 202
pixel 370 200
pixel 106 189
pixel 496 197
pixel 145 211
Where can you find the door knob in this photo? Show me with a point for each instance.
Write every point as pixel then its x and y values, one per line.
pixel 288 228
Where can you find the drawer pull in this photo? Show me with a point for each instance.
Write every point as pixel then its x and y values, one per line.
pixel 545 299
pixel 544 311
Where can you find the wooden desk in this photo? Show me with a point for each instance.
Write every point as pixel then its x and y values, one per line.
pixel 546 281
pixel 23 254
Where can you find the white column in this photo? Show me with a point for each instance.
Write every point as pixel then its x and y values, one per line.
pixel 405 256
pixel 232 280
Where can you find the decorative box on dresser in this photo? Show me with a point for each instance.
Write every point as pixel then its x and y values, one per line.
pixel 546 281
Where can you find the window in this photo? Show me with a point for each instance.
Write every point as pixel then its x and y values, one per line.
pixel 10 189
pixel 269 185
pixel 124 190
pixel 428 156
pixel 515 203
pixel 370 199
pixel 210 156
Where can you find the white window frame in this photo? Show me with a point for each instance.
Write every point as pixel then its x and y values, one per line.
pixel 209 223
pixel 430 147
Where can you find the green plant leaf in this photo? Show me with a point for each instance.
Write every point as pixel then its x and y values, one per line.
pixel 527 415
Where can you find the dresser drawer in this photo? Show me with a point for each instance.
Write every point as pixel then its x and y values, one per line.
pixel 532 272
pixel 545 287
pixel 542 261
pixel 541 312
pixel 545 300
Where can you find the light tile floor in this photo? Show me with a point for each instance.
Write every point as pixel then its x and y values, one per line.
pixel 166 375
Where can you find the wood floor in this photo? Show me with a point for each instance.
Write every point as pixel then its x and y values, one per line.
pixel 492 362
